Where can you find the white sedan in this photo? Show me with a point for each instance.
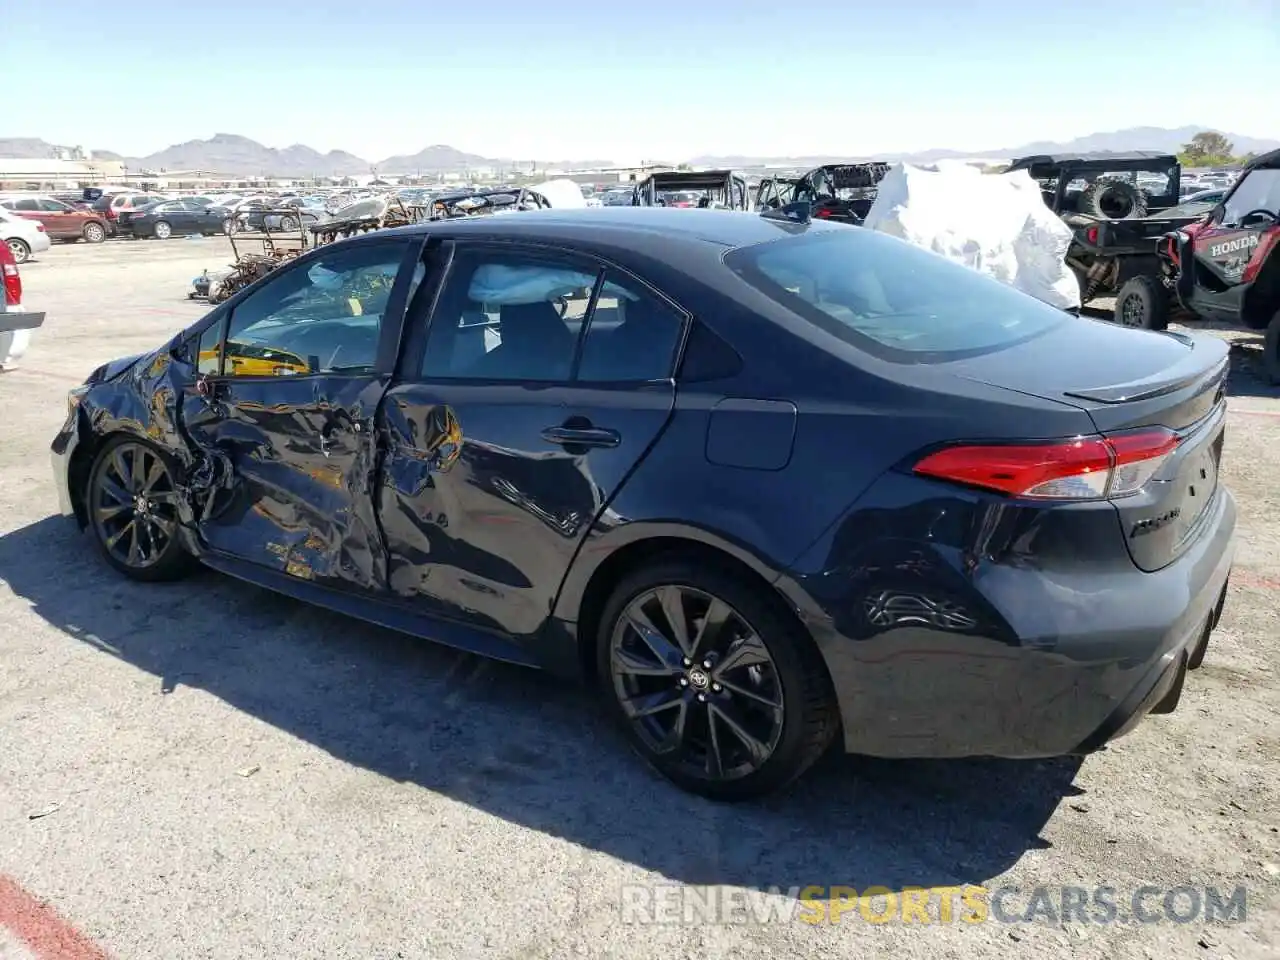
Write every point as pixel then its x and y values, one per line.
pixel 24 237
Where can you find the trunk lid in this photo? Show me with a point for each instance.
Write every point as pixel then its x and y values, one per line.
pixel 1127 379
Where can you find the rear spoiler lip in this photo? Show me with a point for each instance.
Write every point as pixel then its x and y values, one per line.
pixel 1171 380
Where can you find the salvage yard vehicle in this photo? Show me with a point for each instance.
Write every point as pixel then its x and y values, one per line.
pixel 843 192
pixel 1225 266
pixel 722 189
pixel 23 237
pixel 1118 206
pixel 61 221
pixel 169 218
pixel 267 251
pixel 480 445
pixel 16 322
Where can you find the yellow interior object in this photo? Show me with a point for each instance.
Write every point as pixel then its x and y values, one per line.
pixel 356 308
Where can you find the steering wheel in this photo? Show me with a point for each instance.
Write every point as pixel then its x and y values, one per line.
pixel 1261 213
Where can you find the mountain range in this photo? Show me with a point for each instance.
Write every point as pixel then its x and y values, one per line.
pixel 1163 139
pixel 231 154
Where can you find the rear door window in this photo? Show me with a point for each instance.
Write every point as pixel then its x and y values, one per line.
pixel 509 316
pixel 891 299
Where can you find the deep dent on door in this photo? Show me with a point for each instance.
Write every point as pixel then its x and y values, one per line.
pixel 159 400
pixel 464 519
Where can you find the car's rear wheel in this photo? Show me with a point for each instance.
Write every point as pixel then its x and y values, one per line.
pixel 132 504
pixel 716 688
pixel 1143 303
pixel 94 233
pixel 162 230
pixel 21 252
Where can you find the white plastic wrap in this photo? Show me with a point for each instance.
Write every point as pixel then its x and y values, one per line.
pixel 997 224
pixel 561 193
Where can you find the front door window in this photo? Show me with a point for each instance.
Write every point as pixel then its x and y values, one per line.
pixel 321 317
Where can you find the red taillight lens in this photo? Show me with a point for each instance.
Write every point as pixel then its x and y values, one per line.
pixel 111 214
pixel 1091 234
pixel 1083 468
pixel 12 284
pixel 822 213
pixel 39 228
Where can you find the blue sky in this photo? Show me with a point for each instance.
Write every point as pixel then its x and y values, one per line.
pixel 649 80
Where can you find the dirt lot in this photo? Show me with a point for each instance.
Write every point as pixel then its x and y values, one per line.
pixel 208 770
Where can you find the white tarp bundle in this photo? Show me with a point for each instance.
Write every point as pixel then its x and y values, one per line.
pixel 997 224
pixel 561 193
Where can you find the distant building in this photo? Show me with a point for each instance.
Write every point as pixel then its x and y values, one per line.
pixel 57 174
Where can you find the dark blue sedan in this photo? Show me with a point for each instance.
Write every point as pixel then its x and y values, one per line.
pixel 173 218
pixel 768 485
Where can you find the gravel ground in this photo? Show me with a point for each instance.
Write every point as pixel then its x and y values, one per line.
pixel 208 770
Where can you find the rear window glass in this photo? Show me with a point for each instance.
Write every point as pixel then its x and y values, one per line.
pixel 891 299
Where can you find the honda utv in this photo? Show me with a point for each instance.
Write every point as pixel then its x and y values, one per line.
pixel 1223 267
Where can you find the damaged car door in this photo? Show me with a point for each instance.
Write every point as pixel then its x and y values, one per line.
pixel 544 378
pixel 289 378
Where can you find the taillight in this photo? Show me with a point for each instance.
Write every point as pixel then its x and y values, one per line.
pixel 1082 468
pixel 12 284
pixel 1091 234
pixel 823 213
pixel 111 214
pixel 39 227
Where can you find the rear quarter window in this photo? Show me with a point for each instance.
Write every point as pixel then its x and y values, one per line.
pixel 890 299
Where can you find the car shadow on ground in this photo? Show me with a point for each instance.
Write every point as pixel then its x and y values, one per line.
pixel 1248 376
pixel 526 747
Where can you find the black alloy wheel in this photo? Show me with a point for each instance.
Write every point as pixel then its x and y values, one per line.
pixel 133 509
pixel 1133 312
pixel 717 690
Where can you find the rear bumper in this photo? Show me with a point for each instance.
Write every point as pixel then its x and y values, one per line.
pixel 1010 661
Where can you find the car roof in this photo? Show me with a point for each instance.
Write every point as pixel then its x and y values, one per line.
pixel 1043 164
pixel 1266 160
pixel 625 226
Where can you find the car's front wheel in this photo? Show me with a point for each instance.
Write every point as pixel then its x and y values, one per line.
pixel 94 233
pixel 18 247
pixel 716 688
pixel 132 506
pixel 162 230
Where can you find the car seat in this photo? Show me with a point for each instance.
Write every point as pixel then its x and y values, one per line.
pixel 536 345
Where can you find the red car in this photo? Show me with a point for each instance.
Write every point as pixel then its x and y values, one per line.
pixel 61 220
pixel 16 323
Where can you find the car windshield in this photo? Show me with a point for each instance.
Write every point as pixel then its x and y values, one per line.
pixel 891 299
pixel 1260 190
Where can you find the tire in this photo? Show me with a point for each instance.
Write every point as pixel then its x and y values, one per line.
pixel 123 472
pixel 787 736
pixel 1143 303
pixel 162 230
pixel 1113 199
pixel 1271 351
pixel 289 223
pixel 18 247
pixel 94 233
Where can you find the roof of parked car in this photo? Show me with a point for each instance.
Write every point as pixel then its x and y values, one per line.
pixel 721 228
